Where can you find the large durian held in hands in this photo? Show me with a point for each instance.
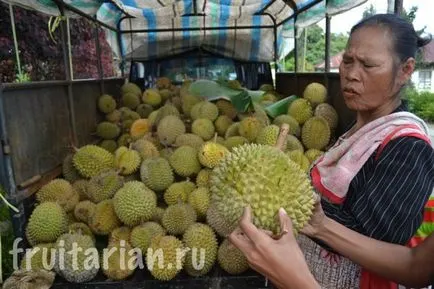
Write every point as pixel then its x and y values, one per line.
pixel 266 179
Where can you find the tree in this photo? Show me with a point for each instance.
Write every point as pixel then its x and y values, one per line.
pixel 315 48
pixel 370 11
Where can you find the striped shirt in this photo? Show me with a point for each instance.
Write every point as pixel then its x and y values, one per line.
pixel 386 198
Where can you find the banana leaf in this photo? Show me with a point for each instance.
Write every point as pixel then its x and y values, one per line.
pixel 280 107
pixel 241 99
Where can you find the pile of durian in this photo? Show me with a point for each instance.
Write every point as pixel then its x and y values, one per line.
pixel 149 183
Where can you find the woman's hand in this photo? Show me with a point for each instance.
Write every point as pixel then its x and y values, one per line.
pixel 280 260
pixel 317 221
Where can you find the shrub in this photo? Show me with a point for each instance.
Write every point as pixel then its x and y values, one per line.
pixel 421 104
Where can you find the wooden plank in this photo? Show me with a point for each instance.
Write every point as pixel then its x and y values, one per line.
pixel 37 121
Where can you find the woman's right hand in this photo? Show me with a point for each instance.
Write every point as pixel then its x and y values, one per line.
pixel 316 222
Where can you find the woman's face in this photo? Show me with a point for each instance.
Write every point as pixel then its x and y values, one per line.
pixel 366 70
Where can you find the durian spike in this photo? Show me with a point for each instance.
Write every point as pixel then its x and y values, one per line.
pixel 281 139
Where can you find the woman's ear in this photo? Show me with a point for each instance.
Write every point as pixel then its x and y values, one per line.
pixel 407 69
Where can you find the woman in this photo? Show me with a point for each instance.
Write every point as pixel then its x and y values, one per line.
pixel 283 262
pixel 378 176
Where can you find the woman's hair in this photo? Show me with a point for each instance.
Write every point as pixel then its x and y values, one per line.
pixel 406 42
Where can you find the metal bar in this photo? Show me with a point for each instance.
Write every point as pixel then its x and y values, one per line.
pixel 120 8
pixel 197 29
pixel 398 7
pixel 81 13
pixel 121 47
pixel 53 83
pixel 14 34
pixel 292 4
pixel 99 62
pixel 295 49
pixel 195 6
pixel 275 37
pixel 307 7
pixel 261 12
pixel 327 44
pixel 68 68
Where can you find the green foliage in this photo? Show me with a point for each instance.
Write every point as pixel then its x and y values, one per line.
pixel 7 238
pixel 421 104
pixel 315 48
pixel 369 11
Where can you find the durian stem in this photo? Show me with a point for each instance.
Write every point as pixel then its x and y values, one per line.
pixel 281 140
pixel 215 137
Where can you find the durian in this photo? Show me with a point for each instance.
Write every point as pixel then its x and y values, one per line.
pixel 145 148
pixel 231 259
pixel 202 178
pixel 165 259
pixel 119 234
pixel 301 110
pixel 329 113
pixel 202 242
pixel 211 153
pixel 139 128
pixel 107 130
pixel 104 186
pixel 152 97
pixel 293 143
pixel 222 226
pixel 109 145
pixel 144 110
pixel 225 107
pixel 60 191
pixel 134 203
pixel 169 128
pixel 204 128
pixel 91 160
pixel 315 133
pixel 189 139
pixel 234 141
pixel 316 93
pixel 84 211
pixel 294 127
pixel 142 235
pixel 233 130
pixel 299 158
pixel 185 161
pixel 165 110
pixel 204 109
pixel 222 123
pixel 313 154
pixel 268 135
pixel 106 103
pixel 104 220
pixel 266 179
pixel 130 100
pixel 46 223
pixel 119 260
pixel 127 160
pixel 178 191
pixel 199 199
pixel 156 173
pixel 114 116
pixel 68 170
pixel 130 87
pixel 80 186
pixel 249 128
pixel 81 228
pixel 177 218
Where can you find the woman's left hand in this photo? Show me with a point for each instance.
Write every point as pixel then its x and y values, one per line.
pixel 280 260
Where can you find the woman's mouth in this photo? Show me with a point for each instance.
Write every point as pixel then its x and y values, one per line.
pixel 350 92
